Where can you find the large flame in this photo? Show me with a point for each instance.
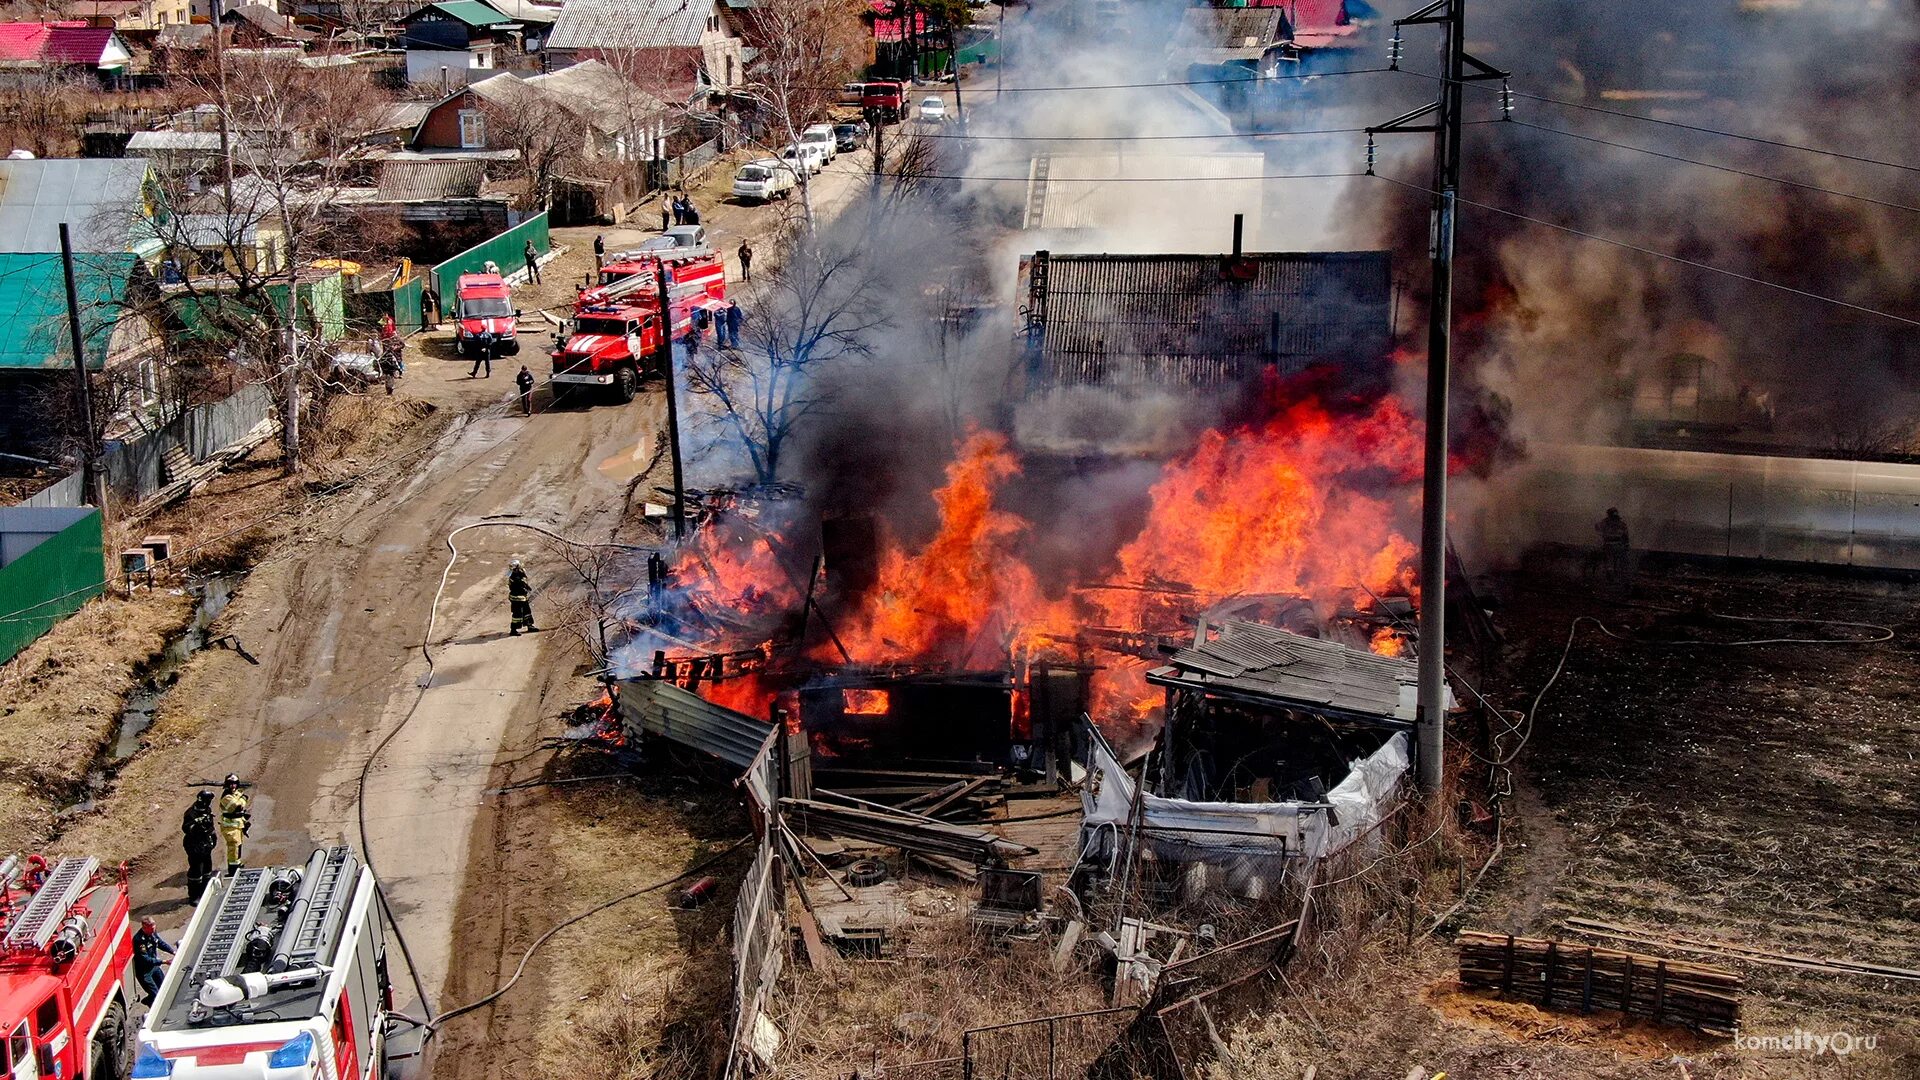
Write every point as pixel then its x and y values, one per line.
pixel 1312 503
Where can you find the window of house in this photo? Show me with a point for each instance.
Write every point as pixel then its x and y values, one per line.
pixel 729 70
pixel 149 383
pixel 473 129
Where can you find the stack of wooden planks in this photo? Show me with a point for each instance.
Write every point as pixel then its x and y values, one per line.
pixel 1558 975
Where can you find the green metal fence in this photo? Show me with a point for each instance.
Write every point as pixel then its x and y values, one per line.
pixel 50 564
pixel 406 305
pixel 506 250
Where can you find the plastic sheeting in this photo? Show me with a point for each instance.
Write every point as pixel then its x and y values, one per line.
pixel 1183 830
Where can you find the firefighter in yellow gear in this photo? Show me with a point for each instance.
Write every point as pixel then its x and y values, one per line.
pixel 235 819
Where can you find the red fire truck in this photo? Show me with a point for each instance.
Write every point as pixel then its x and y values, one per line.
pixel 281 975
pixel 484 306
pixel 614 339
pixel 884 102
pixel 63 967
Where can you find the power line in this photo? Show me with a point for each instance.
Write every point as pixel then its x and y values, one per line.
pixel 1148 85
pixel 1132 179
pixel 1836 301
pixel 1720 168
pixel 1742 136
pixel 1137 138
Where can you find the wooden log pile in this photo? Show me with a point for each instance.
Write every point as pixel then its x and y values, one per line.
pixel 1559 975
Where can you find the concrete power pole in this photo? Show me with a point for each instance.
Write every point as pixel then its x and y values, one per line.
pixel 1443 119
pixel 673 406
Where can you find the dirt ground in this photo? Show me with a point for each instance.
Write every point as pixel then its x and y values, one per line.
pixel 1759 794
pixel 356 575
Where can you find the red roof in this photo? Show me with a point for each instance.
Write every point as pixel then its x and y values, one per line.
pixel 1313 16
pixel 23 41
pixel 60 43
pixel 78 44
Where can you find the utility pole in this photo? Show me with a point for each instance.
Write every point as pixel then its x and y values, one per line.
pixel 874 117
pixel 92 477
pixel 1443 120
pixel 673 406
pixel 220 89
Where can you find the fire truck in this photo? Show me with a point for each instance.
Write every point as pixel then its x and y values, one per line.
pixel 281 975
pixel 484 306
pixel 614 338
pixel 63 966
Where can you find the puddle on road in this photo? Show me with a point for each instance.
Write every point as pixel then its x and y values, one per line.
pixel 628 462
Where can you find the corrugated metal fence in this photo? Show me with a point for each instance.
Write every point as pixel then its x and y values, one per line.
pixel 506 250
pixel 50 564
pixel 406 305
pixel 759 916
pixel 136 468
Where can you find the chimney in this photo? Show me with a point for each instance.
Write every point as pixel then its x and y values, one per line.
pixel 1239 223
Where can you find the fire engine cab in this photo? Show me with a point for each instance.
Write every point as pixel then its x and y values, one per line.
pixel 63 966
pixel 484 314
pixel 281 975
pixel 614 339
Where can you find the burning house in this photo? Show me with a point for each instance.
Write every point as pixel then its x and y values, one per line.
pixel 1277 749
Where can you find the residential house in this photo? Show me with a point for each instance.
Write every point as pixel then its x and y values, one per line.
pixel 256 26
pixel 186 157
pixel 131 15
pixel 677 50
pixel 448 43
pixel 243 245
pixel 536 19
pixel 109 205
pixel 30 47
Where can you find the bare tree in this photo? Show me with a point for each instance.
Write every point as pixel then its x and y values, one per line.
pixel 813 313
pixel 550 137
pixel 42 110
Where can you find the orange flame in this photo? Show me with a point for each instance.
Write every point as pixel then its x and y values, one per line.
pixel 866 702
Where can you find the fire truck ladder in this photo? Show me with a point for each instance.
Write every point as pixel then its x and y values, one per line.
pixel 1037 174
pixel 225 942
pixel 41 919
pixel 327 887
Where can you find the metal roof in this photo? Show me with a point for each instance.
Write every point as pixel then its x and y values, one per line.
pixel 426 181
pixel 101 199
pixel 587 24
pixel 1137 320
pixel 471 12
pixel 270 21
pixel 33 307
pixel 1261 664
pixel 175 140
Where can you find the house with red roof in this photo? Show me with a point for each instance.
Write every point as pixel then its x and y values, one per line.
pixel 68 46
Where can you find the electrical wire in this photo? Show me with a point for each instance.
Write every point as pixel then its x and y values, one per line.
pixel 603 905
pixel 1736 275
pixel 1743 137
pixel 1718 168
pixel 1140 179
pixel 1136 138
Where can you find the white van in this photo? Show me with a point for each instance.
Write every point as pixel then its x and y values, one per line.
pixel 764 180
pixel 821 135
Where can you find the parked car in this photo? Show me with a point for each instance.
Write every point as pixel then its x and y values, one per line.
pixel 933 109
pixel 803 156
pixel 850 136
pixel 680 240
pixel 764 180
pixel 851 93
pixel 821 135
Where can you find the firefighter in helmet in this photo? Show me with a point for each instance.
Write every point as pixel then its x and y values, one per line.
pixel 199 835
pixel 520 600
pixel 235 820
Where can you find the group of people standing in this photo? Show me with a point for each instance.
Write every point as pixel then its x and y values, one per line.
pixel 678 210
pixel 726 324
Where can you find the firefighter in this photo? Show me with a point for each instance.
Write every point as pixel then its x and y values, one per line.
pixel 483 354
pixel 235 820
pixel 1615 546
pixel 733 318
pixel 147 967
pixel 666 214
pixel 520 600
pixel 524 381
pixel 199 836
pixel 599 251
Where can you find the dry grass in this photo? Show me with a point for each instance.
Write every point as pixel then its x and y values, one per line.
pixel 916 1007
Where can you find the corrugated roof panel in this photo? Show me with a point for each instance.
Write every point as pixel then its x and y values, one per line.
pixel 101 200
pixel 1264 661
pixel 33 307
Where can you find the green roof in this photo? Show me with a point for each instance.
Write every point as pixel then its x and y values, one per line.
pixel 471 12
pixel 33 307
